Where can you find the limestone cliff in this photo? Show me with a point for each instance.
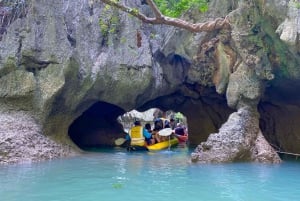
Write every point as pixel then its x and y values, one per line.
pixel 63 63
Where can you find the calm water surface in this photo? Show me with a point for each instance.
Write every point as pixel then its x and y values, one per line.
pixel 114 175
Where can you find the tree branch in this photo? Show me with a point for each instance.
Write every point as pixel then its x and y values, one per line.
pixel 154 8
pixel 216 24
pixel 131 11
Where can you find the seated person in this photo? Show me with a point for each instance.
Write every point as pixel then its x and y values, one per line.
pixel 161 123
pixel 157 137
pixel 148 127
pixel 172 123
pixel 138 135
pixel 179 131
pixel 152 139
pixel 158 124
pixel 167 123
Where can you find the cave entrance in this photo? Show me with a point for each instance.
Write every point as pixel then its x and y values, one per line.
pixel 97 126
pixel 279 115
pixel 100 124
pixel 103 123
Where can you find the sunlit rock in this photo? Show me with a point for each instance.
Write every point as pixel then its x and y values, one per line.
pixel 59 62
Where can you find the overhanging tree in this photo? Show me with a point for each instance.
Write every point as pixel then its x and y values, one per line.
pixel 159 18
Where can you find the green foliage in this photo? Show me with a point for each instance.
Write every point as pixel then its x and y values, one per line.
pixel 123 40
pixel 135 11
pixel 103 27
pixel 174 8
pixel 152 36
pixel 109 22
pixel 295 4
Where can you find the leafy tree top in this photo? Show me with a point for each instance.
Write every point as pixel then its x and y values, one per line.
pixel 174 8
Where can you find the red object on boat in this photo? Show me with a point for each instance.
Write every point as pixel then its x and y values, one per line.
pixel 182 138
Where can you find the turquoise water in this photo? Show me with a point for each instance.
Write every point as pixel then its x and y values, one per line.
pixel 163 176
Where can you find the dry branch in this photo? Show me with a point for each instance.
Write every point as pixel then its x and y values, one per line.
pixel 219 23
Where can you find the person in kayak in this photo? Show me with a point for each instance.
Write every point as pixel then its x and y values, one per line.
pixel 149 129
pixel 159 124
pixel 179 130
pixel 138 135
pixel 172 123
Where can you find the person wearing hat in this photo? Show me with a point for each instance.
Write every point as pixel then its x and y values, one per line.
pixel 138 135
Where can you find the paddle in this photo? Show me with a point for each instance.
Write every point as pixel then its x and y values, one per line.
pixel 120 141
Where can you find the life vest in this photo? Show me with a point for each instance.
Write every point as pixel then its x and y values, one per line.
pixel 136 135
pixel 161 123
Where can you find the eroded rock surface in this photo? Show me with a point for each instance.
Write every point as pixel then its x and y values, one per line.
pixel 61 58
pixel 22 140
pixel 239 139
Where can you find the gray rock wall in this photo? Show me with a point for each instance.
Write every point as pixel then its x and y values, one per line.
pixel 65 56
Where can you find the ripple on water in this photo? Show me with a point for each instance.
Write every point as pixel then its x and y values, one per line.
pixel 166 175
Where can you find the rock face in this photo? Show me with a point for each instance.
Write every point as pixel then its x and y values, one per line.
pixel 63 64
pixel 21 140
pixel 239 139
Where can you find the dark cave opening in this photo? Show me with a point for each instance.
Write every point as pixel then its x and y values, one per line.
pixel 97 126
pixel 279 115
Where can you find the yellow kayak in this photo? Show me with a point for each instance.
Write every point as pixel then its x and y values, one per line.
pixel 162 145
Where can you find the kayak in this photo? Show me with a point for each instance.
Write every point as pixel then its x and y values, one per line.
pixel 155 147
pixel 162 145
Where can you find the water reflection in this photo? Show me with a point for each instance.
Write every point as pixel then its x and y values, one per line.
pixel 166 175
